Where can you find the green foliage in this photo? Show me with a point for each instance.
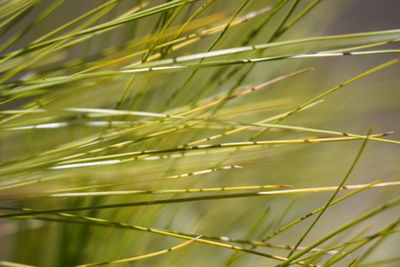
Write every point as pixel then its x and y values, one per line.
pixel 196 133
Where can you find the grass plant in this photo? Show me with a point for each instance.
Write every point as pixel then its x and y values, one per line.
pixel 196 133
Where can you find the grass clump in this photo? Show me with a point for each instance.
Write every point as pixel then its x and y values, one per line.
pixel 160 132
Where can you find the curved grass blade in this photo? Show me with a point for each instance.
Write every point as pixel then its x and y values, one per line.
pixel 167 191
pixel 286 227
pixel 145 256
pixel 201 198
pixel 359 39
pixel 107 223
pixel 331 199
pixel 109 74
pixel 183 148
pixel 258 243
pixel 342 228
pixel 385 234
pixel 171 177
pixel 334 89
pixel 348 243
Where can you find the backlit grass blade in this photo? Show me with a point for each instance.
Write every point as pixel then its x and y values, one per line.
pixel 209 197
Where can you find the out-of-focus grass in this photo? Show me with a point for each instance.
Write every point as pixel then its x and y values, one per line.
pixel 195 133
